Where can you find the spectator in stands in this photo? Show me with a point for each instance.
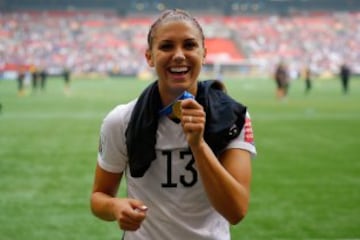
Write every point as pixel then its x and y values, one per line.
pixel 181 169
pixel 281 77
pixel 345 77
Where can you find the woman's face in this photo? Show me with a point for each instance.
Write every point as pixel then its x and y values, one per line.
pixel 177 54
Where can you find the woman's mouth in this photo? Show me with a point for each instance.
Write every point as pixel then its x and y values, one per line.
pixel 179 70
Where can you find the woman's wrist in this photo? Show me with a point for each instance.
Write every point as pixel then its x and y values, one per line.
pixel 199 146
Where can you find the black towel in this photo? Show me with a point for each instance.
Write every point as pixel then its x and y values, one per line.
pixel 224 120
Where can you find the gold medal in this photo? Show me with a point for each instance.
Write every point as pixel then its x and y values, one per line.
pixel 176 109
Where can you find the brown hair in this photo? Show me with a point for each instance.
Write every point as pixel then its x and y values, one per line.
pixel 173 14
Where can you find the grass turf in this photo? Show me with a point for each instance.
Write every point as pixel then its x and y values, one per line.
pixel 305 177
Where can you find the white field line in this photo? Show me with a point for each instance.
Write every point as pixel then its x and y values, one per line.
pixel 305 116
pixel 45 116
pixel 257 117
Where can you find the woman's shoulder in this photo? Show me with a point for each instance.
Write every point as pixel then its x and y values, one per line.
pixel 120 113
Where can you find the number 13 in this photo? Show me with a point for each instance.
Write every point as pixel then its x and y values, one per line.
pixel 186 181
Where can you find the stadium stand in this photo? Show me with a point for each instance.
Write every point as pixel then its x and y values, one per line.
pixel 99 41
pixel 223 50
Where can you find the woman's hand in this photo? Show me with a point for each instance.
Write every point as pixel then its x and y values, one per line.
pixel 129 213
pixel 193 120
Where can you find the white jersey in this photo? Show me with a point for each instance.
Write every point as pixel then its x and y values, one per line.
pixel 178 207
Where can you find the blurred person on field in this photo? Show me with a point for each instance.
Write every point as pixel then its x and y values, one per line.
pixel 308 79
pixel 34 78
pixel 281 77
pixel 184 146
pixel 66 75
pixel 20 81
pixel 43 78
pixel 345 74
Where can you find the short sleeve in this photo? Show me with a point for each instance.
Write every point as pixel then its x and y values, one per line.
pixel 112 154
pixel 245 140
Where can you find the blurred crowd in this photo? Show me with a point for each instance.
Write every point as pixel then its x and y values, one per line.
pixel 105 42
pixel 322 41
pixel 82 42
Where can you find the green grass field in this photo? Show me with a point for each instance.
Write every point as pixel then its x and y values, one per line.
pixel 306 177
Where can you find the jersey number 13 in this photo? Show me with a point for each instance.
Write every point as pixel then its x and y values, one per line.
pixel 187 180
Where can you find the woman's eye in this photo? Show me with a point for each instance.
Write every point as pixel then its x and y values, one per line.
pixel 190 45
pixel 166 46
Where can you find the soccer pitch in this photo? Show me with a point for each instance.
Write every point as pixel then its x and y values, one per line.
pixel 306 177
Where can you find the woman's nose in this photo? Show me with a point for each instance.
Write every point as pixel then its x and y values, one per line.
pixel 179 55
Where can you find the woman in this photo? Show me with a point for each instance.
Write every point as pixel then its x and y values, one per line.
pixel 184 147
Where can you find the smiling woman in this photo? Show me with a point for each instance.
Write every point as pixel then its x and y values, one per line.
pixel 189 175
pixel 176 58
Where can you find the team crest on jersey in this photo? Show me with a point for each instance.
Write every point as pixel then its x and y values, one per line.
pixel 249 135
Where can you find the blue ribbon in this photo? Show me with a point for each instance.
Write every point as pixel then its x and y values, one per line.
pixel 168 109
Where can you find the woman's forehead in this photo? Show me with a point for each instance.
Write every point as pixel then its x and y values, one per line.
pixel 178 28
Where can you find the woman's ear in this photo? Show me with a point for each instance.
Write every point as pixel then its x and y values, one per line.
pixel 204 55
pixel 149 58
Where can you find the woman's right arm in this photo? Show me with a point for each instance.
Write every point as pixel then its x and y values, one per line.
pixel 129 213
pixel 105 188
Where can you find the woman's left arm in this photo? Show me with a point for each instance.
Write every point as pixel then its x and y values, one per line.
pixel 226 182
